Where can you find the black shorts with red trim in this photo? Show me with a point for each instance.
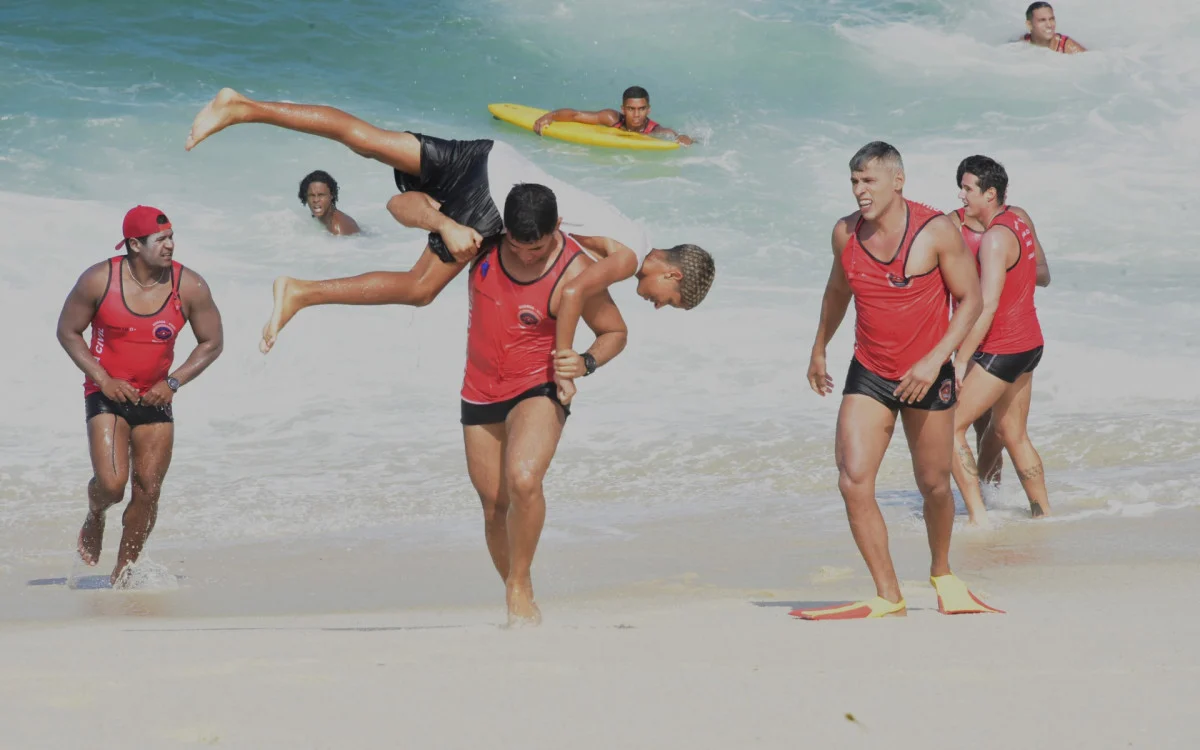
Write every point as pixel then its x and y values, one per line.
pixel 941 395
pixel 95 404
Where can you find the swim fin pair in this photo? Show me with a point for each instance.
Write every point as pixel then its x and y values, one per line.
pixel 954 598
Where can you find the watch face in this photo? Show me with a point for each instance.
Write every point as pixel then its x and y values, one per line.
pixel 173 384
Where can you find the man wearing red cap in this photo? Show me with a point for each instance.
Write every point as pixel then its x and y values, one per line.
pixel 135 303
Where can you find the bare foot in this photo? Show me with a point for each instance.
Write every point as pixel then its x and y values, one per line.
pixel 217 115
pixel 1038 511
pixel 522 612
pixel 286 305
pixel 91 537
pixel 981 521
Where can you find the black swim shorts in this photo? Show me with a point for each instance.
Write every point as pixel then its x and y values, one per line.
pixel 940 396
pixel 1009 367
pixel 474 414
pixel 455 174
pixel 95 404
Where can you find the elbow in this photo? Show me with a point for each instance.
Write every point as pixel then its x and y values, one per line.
pixel 1043 279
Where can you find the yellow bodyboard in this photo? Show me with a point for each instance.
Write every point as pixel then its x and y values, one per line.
pixel 577 132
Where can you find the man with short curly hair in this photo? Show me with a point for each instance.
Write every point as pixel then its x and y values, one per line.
pixel 319 192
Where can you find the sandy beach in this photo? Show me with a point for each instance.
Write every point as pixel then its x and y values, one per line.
pixel 1091 653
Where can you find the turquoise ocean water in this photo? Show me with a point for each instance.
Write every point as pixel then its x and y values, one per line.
pixel 350 425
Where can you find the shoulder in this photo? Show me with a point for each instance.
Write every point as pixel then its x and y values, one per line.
pixel 343 223
pixel 578 264
pixel 1021 214
pixel 192 285
pixel 843 230
pixel 93 282
pixel 940 231
pixel 954 218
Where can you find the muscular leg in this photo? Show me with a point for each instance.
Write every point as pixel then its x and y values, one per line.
pixel 930 437
pixel 417 287
pixel 485 466
pixel 152 447
pixel 396 149
pixel 533 429
pixel 1012 415
pixel 108 446
pixel 980 390
pixel 864 429
pixel 990 450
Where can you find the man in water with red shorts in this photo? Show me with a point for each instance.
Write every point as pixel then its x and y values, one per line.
pixel 900 262
pixel 136 304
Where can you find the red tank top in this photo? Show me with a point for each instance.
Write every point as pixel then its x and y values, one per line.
pixel 970 236
pixel 900 318
pixel 510 331
pixel 1015 328
pixel 136 348
pixel 1060 42
pixel 650 126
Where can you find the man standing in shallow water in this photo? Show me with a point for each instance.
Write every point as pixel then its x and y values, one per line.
pixel 900 262
pixel 129 385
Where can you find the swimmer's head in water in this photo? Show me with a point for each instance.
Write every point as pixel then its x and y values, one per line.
pixel 679 276
pixel 1039 19
pixel 983 185
pixel 876 178
pixel 531 221
pixel 635 106
pixel 319 191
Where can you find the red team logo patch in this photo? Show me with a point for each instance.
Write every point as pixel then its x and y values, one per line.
pixel 528 316
pixel 946 391
pixel 163 331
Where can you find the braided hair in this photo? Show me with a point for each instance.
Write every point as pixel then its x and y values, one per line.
pixel 698 271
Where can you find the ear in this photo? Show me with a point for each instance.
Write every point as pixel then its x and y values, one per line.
pixel 673 273
pixel 558 224
pixel 992 195
pixel 899 180
pixel 1029 26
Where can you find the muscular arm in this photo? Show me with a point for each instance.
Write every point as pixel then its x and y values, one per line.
pixel 1043 267
pixel 993 268
pixel 617 263
pixel 205 319
pixel 602 316
pixel 837 295
pixel 608 117
pixel 667 134
pixel 959 272
pixel 77 313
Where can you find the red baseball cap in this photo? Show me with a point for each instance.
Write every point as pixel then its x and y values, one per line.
pixel 142 221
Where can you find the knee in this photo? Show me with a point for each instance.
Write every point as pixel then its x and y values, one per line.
pixel 523 483
pixel 110 487
pixel 148 487
pixel 934 484
pixel 854 485
pixel 495 508
pixel 1010 431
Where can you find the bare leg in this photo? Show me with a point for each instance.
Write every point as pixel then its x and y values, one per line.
pixel 417 287
pixel 152 447
pixel 108 447
pixel 485 465
pixel 864 429
pixel 397 150
pixel 533 429
pixel 1012 415
pixel 931 441
pixel 990 450
pixel 980 390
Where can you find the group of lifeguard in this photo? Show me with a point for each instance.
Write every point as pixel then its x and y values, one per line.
pixel 946 335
